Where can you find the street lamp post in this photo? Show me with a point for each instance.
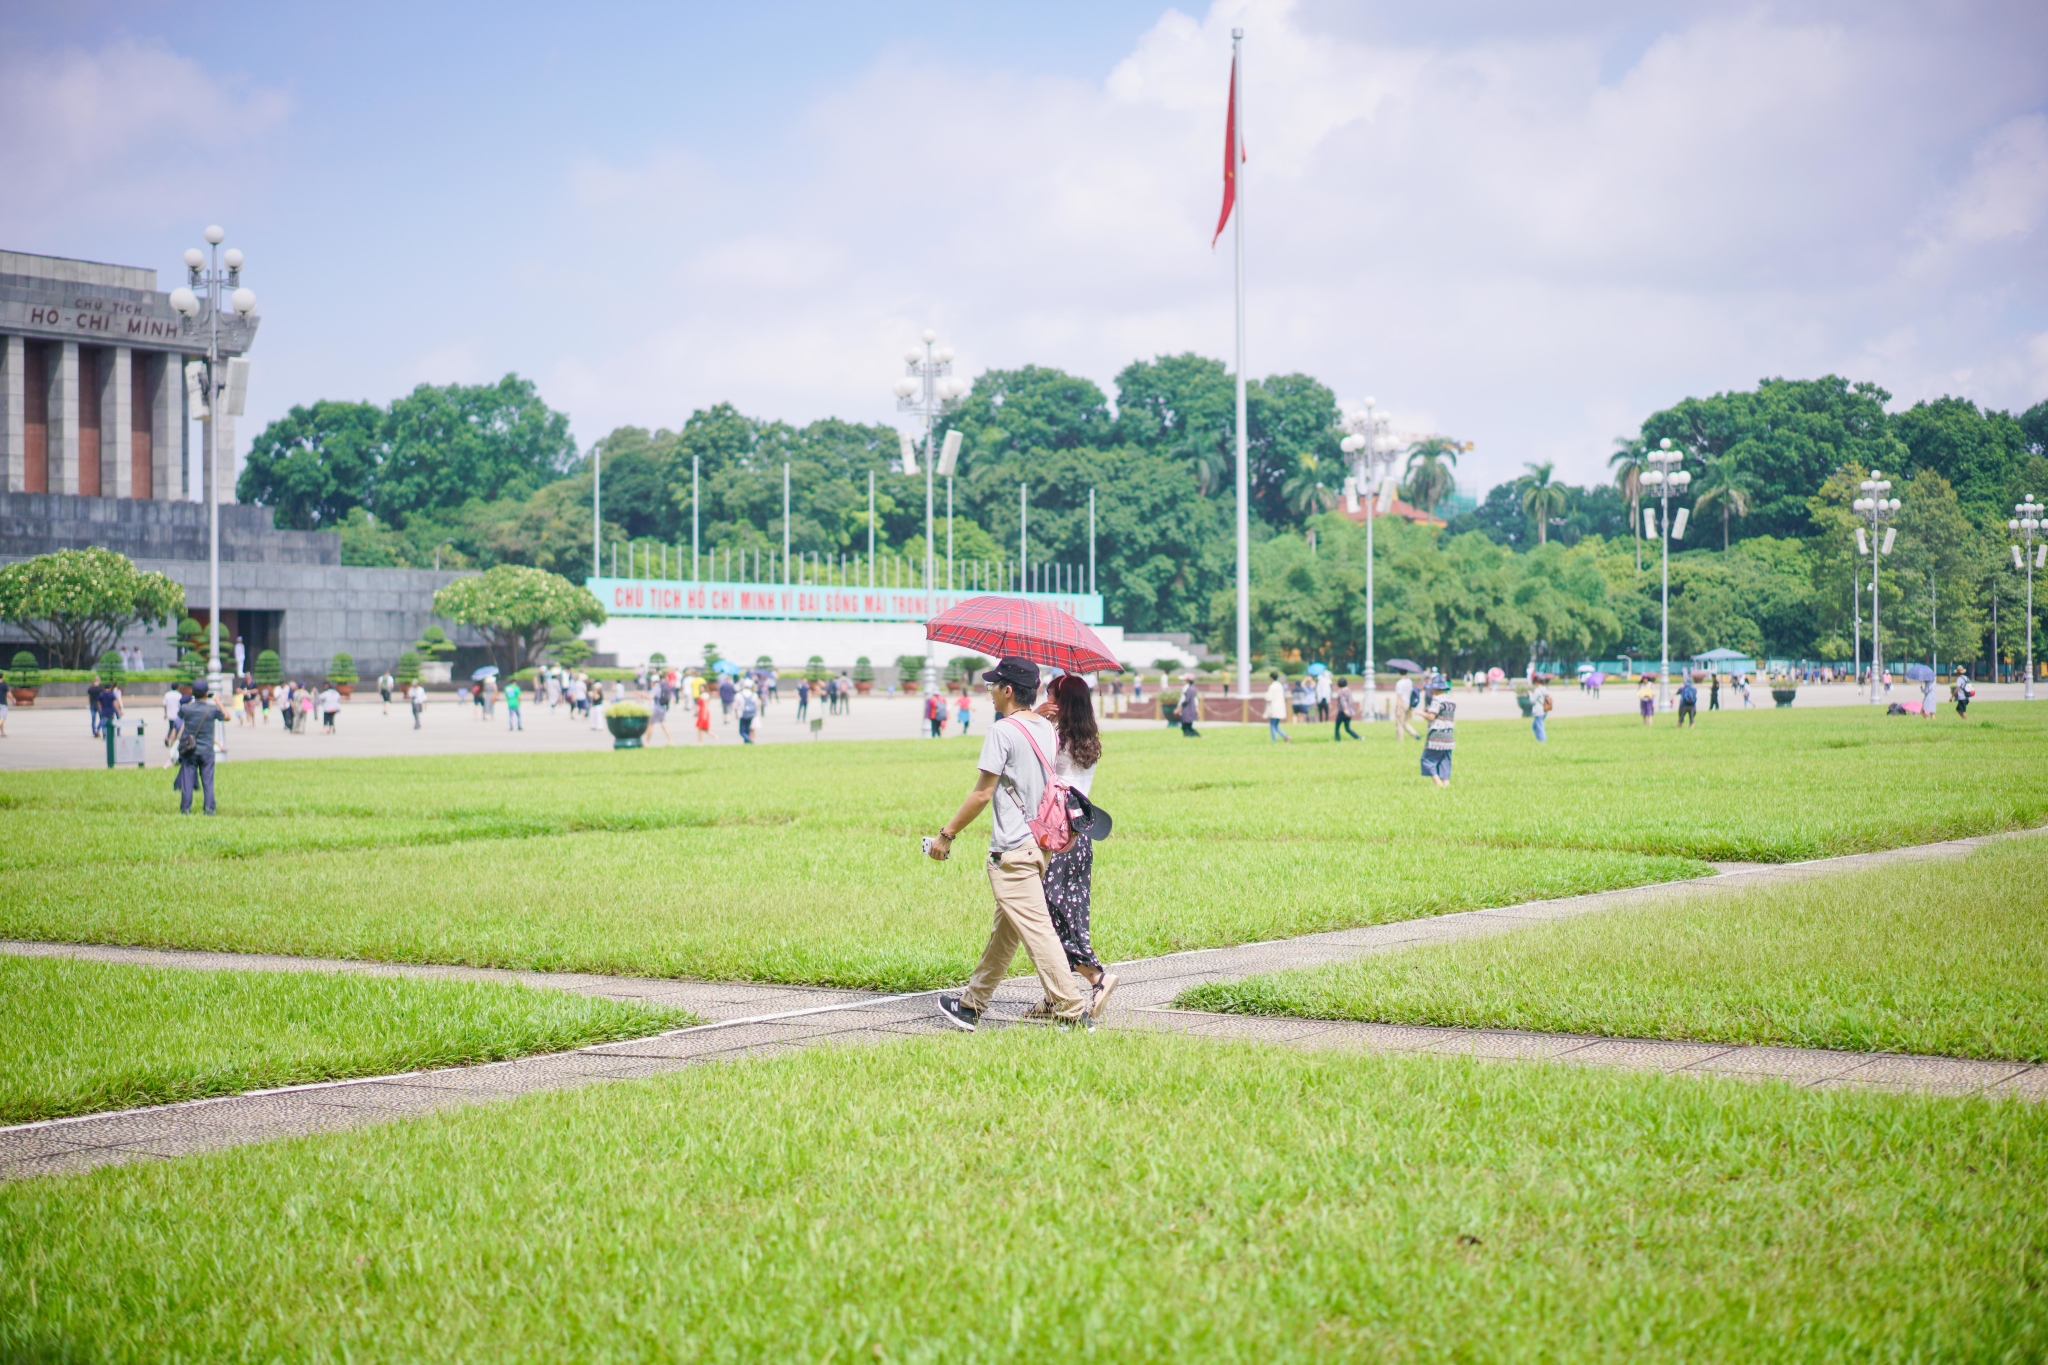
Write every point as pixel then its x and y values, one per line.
pixel 928 389
pixel 1368 477
pixel 1875 508
pixel 206 291
pixel 1665 481
pixel 2026 524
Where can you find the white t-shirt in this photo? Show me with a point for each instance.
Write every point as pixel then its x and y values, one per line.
pixel 1276 700
pixel 1080 779
pixel 330 701
pixel 1020 783
pixel 173 699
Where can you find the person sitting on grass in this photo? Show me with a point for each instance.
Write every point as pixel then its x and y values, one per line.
pixel 1014 765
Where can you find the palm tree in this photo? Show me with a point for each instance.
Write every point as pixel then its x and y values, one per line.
pixel 1542 498
pixel 1725 482
pixel 1627 464
pixel 1429 479
pixel 1209 454
pixel 1304 492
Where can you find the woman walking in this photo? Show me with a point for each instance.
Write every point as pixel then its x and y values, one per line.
pixel 1070 875
pixel 1190 709
pixel 703 715
pixel 1346 707
pixel 1646 700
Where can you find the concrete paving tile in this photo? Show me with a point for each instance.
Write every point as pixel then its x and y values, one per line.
pixel 1935 1075
pixel 261 1117
pixel 116 1130
pixel 1506 1045
pixel 1784 1063
pixel 2031 1084
pixel 34 1143
pixel 71 1163
pixel 1247 1028
pixel 1646 1054
pixel 382 1095
pixel 1377 1037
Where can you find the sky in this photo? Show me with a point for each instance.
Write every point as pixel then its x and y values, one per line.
pixel 1526 227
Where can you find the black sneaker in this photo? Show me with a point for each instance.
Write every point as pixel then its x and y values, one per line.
pixel 957 1014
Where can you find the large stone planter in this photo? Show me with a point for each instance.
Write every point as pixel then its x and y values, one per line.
pixel 24 696
pixel 863 688
pixel 627 731
pixel 1784 695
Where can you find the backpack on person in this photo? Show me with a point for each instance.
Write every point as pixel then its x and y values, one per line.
pixel 1052 829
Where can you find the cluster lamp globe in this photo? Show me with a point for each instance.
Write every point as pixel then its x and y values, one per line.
pixel 210 289
pixel 1371 478
pixel 1873 510
pixel 2027 525
pixel 928 390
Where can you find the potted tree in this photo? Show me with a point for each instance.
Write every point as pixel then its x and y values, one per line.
pixel 24 677
pixel 1784 689
pixel 627 720
pixel 269 669
pixel 341 675
pixel 408 671
pixel 863 675
pixel 434 647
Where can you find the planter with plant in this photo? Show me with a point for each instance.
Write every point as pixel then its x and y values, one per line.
pixel 24 676
pixel 627 720
pixel 269 671
pixel 863 675
pixel 1784 691
pixel 341 675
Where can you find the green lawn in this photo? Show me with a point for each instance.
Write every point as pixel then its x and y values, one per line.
pixel 1948 958
pixel 799 862
pixel 1193 1201
pixel 79 1037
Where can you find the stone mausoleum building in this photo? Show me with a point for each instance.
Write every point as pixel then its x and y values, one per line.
pixel 97 448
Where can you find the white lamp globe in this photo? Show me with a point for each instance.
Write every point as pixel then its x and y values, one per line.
pixel 232 258
pixel 194 258
pixel 245 301
pixel 184 300
pixel 930 336
pixel 944 355
pixel 1351 445
pixel 2012 526
pixel 912 356
pixel 1370 401
pixel 1664 444
pixel 905 387
pixel 215 235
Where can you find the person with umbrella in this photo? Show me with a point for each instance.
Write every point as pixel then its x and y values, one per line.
pixel 1014 772
pixel 1922 674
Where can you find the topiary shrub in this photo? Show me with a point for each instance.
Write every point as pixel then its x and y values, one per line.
pixel 269 668
pixel 908 667
pixel 863 671
pixel 965 668
pixel 814 668
pixel 24 671
pixel 112 672
pixel 341 670
pixel 408 671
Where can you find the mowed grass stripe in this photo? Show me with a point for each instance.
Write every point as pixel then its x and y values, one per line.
pixel 85 1037
pixel 1947 957
pixel 1027 1197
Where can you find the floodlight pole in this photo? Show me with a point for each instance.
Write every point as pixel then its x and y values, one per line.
pixel 1876 509
pixel 926 391
pixel 2027 523
pixel 1666 479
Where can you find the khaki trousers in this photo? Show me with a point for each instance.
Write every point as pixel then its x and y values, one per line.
pixel 1018 879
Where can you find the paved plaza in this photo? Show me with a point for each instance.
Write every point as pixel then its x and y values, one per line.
pixel 748 1021
pixel 56 733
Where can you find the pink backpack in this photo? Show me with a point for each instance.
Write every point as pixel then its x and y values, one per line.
pixel 1051 828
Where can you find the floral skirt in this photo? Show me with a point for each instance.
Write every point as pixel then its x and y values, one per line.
pixel 1067 880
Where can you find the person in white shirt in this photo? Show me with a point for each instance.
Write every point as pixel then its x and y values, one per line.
pixel 1276 711
pixel 330 707
pixel 417 695
pixel 1323 694
pixel 1015 765
pixel 173 700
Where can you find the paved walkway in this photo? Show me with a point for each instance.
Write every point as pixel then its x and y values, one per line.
pixel 759 1020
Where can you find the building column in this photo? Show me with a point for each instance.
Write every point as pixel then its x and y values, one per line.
pixel 166 427
pixel 13 415
pixel 117 434
pixel 63 454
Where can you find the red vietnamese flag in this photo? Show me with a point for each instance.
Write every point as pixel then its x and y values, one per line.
pixel 1233 156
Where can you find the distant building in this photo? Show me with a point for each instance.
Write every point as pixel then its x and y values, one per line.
pixel 1367 508
pixel 95 449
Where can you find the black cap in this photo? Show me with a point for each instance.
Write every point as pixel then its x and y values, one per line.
pixel 199 687
pixel 1015 672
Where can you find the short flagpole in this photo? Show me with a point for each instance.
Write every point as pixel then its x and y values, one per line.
pixel 1244 533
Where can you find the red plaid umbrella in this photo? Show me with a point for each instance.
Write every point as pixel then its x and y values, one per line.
pixel 1012 628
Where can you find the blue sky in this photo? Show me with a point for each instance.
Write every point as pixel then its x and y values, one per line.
pixel 1524 226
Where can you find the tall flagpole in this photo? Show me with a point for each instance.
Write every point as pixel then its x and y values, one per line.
pixel 1244 533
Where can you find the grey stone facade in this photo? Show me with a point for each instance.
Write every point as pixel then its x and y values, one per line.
pixel 285 590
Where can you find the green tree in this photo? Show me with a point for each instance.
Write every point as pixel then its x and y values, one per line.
pixel 315 465
pixel 110 668
pixel 1724 485
pixel 456 442
pixel 1627 466
pixel 1543 498
pixel 518 610
pixel 1943 565
pixel 76 603
pixel 572 652
pixel 1428 478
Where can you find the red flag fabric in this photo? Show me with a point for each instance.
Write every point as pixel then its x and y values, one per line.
pixel 1013 628
pixel 1233 156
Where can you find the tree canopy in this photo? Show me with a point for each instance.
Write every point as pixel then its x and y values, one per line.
pixel 76 603
pixel 518 610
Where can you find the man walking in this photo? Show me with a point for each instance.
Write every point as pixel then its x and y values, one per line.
pixel 417 695
pixel 1688 704
pixel 1404 708
pixel 1346 707
pixel 1539 710
pixel 513 696
pixel 1013 777
pixel 384 684
pixel 198 728
pixel 174 702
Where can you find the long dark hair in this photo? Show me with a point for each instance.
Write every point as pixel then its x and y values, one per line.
pixel 1078 735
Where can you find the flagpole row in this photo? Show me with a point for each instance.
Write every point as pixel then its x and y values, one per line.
pixel 1234 191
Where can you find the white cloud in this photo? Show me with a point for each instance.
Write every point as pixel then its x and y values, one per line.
pixel 130 129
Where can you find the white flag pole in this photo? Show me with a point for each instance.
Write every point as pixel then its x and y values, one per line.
pixel 1244 535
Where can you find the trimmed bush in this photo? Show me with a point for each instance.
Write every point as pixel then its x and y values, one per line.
pixel 23 671
pixel 341 671
pixel 863 671
pixel 269 668
pixel 814 668
pixel 408 671
pixel 908 667
pixel 110 668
